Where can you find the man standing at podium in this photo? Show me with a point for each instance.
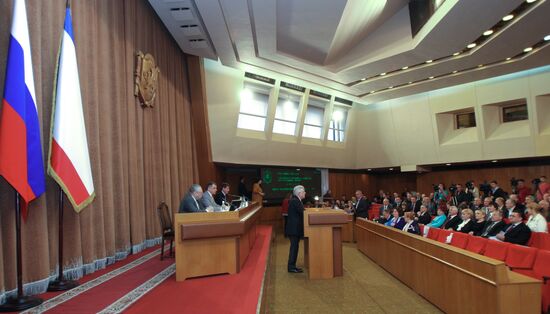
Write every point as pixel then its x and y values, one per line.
pixel 295 226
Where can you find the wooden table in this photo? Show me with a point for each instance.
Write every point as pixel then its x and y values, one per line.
pixel 323 242
pixel 214 243
pixel 455 280
pixel 348 233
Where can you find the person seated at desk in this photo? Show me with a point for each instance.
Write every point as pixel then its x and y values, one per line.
pixel 517 232
pixel 423 215
pixel 467 223
pixel 190 203
pixel 494 226
pixel 384 218
pixel 439 220
pixel 207 199
pixel 479 223
pixel 221 196
pixel 396 221
pixel 411 225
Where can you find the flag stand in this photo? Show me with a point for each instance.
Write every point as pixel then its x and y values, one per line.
pixel 60 284
pixel 21 302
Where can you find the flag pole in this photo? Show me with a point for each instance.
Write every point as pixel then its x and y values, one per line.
pixel 20 302
pixel 61 284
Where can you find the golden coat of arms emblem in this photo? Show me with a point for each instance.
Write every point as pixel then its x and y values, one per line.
pixel 146 79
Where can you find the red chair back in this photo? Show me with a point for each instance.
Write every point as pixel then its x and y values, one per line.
pixel 541 268
pixel 520 256
pixel 443 234
pixel 433 233
pixel 374 211
pixel 496 249
pixel 540 240
pixel 460 239
pixel 476 245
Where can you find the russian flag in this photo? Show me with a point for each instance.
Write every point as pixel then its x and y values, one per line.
pixel 21 162
pixel 69 160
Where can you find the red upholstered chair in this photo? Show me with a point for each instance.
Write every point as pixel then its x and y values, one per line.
pixel 496 249
pixel 421 229
pixel 374 211
pixel 460 239
pixel 540 240
pixel 541 271
pixel 443 234
pixel 476 245
pixel 520 257
pixel 433 233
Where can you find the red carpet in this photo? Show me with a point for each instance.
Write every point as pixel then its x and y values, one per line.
pixel 237 293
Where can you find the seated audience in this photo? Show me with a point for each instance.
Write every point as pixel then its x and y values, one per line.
pixel 466 225
pixel 542 188
pixel 479 223
pixel 493 226
pixel 486 202
pixel 432 208
pixel 477 204
pixel 453 219
pixel 404 207
pixel 510 207
pixel 384 218
pixel 536 221
pixel 439 220
pixel 522 191
pixel 414 204
pixel 545 209
pixel 423 215
pixel 499 201
pixel 385 205
pixel 490 210
pixel 191 202
pixel 411 225
pixel 396 221
pixel 517 232
pixel 519 205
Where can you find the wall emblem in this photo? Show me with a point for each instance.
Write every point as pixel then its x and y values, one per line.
pixel 146 79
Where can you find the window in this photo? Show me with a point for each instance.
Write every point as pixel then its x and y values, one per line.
pixel 465 120
pixel 337 125
pixel 514 113
pixel 286 114
pixel 315 116
pixel 253 111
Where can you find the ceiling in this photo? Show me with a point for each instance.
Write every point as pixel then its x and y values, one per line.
pixel 364 49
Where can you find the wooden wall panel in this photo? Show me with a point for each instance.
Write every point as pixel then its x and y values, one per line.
pixel 347 183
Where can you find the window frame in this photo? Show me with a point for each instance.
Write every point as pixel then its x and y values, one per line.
pixel 256 87
pixel 504 108
pixel 457 123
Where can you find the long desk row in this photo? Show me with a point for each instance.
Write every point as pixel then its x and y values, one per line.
pixel 455 280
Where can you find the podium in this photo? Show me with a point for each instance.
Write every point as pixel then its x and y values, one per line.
pixel 323 242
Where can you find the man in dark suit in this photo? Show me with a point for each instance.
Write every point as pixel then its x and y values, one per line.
pixel 386 206
pixel 385 217
pixel 453 220
pixel 496 191
pixel 414 205
pixel 424 216
pixel 493 226
pixel 294 228
pixel 362 206
pixel 221 196
pixel 517 232
pixel 463 196
pixel 191 202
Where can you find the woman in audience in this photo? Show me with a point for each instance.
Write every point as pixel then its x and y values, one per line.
pixel 397 221
pixel 439 220
pixel 479 224
pixel 423 215
pixel 491 208
pixel 404 207
pixel 467 223
pixel 536 221
pixel 410 224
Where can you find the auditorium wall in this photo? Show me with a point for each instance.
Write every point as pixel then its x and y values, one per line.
pixel 140 156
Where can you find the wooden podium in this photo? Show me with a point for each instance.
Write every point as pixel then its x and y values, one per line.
pixel 214 243
pixel 323 242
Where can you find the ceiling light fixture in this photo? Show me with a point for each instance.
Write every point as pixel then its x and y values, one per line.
pixel 390 87
pixel 448 164
pixel 431 77
pixel 371 92
pixel 391 169
pixel 472 45
pixel 531 1
pixel 429 61
pixel 455 71
pixel 456 53
pixel 369 169
pixel 480 66
pixel 508 17
pixel 404 68
pixel 410 82
pixel 527 49
pixel 547 37
pixel 383 73
pixel 508 59
pixel 487 32
pixel 494 160
pixel 363 79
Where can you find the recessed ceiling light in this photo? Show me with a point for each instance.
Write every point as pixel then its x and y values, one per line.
pixel 547 37
pixel 371 92
pixel 390 87
pixel 363 79
pixel 404 68
pixel 455 71
pixel 509 58
pixel 487 32
pixel 480 66
pixel 448 164
pixel 508 17
pixel 429 61
pixel 456 53
pixel 531 1
pixel 527 49
pixel 472 45
pixel 431 77
pixel 494 160
pixel 391 169
pixel 369 169
pixel 383 73
pixel 410 82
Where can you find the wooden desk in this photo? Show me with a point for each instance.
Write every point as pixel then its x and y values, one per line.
pixel 323 242
pixel 348 233
pixel 455 280
pixel 214 243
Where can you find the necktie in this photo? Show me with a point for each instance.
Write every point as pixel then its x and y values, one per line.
pixel 510 228
pixel 488 229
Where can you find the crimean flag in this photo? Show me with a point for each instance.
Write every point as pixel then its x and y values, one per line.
pixel 69 160
pixel 21 162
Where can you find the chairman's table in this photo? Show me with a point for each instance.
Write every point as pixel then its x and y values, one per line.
pixel 214 243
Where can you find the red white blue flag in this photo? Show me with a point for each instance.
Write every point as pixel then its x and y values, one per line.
pixel 21 162
pixel 69 162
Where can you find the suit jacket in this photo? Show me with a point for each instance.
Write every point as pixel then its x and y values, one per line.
pixel 399 224
pixel 362 208
pixel 295 221
pixel 416 206
pixel 478 227
pixel 220 198
pixel 413 228
pixel 491 230
pixel 499 193
pixel 452 223
pixel 424 218
pixel 207 200
pixel 519 234
pixel 466 228
pixel 390 207
pixel 188 205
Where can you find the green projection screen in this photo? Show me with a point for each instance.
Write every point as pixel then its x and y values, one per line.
pixel 278 182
